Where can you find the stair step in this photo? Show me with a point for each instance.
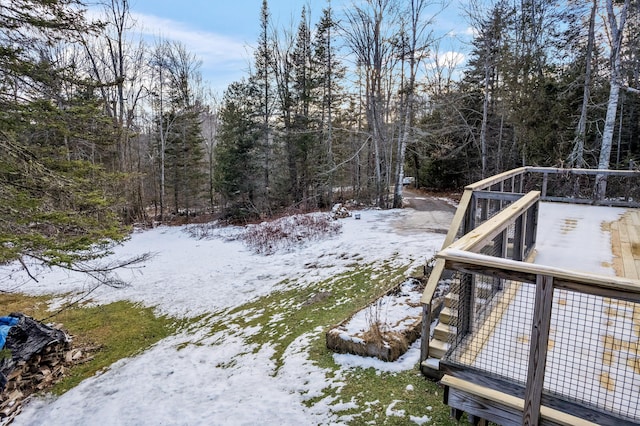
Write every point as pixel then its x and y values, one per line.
pixel 448 315
pixel 437 348
pixel 483 290
pixel 451 300
pixel 444 332
pixel 431 362
pixel 431 369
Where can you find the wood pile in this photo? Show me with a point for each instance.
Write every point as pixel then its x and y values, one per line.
pixel 37 373
pixel 340 212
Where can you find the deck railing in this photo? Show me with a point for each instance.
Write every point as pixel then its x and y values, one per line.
pixel 482 200
pixel 561 338
pixel 575 368
pixel 578 186
pixel 479 202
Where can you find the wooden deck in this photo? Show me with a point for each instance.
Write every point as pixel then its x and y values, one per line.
pixel 618 338
pixel 562 332
pixel 625 245
pixel 618 228
pixel 594 351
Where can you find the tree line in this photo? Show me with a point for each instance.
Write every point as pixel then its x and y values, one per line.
pixel 101 129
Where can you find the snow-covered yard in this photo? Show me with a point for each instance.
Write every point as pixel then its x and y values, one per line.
pixel 204 376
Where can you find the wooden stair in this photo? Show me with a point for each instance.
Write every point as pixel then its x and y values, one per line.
pixel 437 348
pixel 448 315
pixel 451 300
pixel 446 330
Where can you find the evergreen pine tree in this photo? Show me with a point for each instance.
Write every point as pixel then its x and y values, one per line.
pixel 235 154
pixel 55 198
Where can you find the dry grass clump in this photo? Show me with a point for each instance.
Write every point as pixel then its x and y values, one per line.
pixel 281 234
pixel 387 345
pixel 378 331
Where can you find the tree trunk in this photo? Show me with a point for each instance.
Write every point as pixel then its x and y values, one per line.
pixel 485 119
pixel 417 28
pixel 576 158
pixel 617 31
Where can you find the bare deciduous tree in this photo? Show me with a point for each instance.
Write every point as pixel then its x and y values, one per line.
pixel 577 154
pixel 616 33
pixel 418 42
pixel 117 64
pixel 369 28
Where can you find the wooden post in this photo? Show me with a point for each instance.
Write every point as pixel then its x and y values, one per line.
pixel 521 188
pixel 532 226
pixel 470 220
pixel 426 331
pixel 538 349
pixel 466 305
pixel 627 193
pixel 500 250
pixel 476 421
pixel 484 209
pixel 518 238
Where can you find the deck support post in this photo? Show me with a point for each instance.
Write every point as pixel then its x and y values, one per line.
pixel 545 180
pixel 538 349
pixel 518 238
pixel 470 219
pixel 426 331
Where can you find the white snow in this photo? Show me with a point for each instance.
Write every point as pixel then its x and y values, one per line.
pixel 198 378
pixel 571 236
pixel 391 410
pixel 405 362
pixel 420 420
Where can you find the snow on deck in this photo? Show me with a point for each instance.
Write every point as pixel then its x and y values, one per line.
pixel 573 236
pixel 593 346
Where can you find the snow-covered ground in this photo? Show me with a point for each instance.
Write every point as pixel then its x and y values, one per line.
pixel 188 277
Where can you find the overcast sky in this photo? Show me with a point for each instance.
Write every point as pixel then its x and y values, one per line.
pixel 222 32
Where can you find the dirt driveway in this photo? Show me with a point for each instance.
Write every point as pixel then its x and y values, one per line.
pixel 424 213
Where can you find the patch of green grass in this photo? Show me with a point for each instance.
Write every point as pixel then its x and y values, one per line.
pixel 283 316
pixel 119 330
pixel 404 394
pixel 122 329
pixel 5 354
pixel 34 306
pixel 287 314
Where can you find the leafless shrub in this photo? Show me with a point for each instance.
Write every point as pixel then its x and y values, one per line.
pixel 287 232
pixel 202 231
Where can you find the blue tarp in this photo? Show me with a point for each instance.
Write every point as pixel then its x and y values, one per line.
pixel 25 339
pixel 5 324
